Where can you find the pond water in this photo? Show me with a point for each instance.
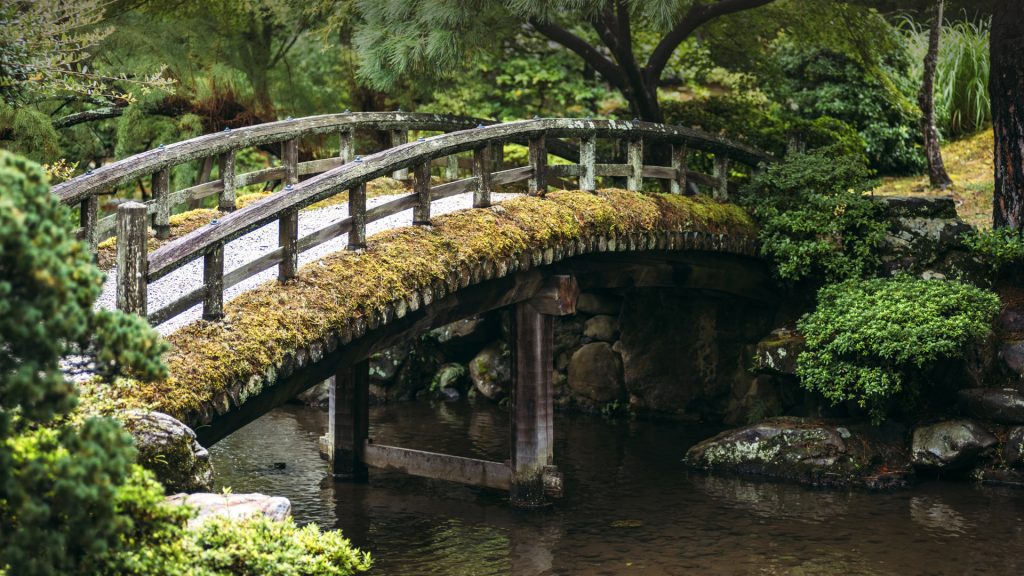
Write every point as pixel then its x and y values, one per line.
pixel 630 506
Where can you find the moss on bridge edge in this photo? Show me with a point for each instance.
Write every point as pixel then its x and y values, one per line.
pixel 263 326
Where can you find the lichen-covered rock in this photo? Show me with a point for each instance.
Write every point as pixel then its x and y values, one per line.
pixel 318 396
pixel 595 374
pixel 924 238
pixel 603 328
pixel 1004 405
pixel 1012 354
pixel 777 353
pixel 1013 448
pixel 950 445
pixel 384 365
pixel 810 452
pixel 461 339
pixel 491 371
pixel 234 506
pixel 169 449
pixel 594 303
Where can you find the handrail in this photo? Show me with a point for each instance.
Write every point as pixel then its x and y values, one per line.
pixel 208 242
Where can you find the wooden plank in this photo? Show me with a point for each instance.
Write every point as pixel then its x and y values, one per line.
pixel 392 207
pixel 557 297
pixel 357 214
pixel 620 170
pixel 399 137
pixel 254 267
pixel 588 158
pixel 178 306
pixel 538 154
pixel 532 415
pixel 329 232
pixel 680 155
pixel 482 173
pixel 257 176
pixel 132 235
pixel 635 161
pixel 226 198
pixel 421 188
pixel 660 172
pixel 451 171
pixel 512 175
pixel 449 189
pixel 346 145
pixel 87 219
pixel 469 471
pixel 290 160
pixel 348 422
pixel 213 281
pixel 559 171
pixel 287 240
pixel 161 185
pixel 721 189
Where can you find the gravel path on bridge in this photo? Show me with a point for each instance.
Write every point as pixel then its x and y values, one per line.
pixel 263 240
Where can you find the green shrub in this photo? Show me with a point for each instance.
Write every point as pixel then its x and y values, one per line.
pixel 1001 248
pixel 871 341
pixel 816 224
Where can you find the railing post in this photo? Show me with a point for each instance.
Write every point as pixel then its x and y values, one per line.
pixel 132 235
pixel 679 154
pixel 539 161
pixel 348 422
pixel 288 240
pixel 451 171
pixel 399 137
pixel 721 177
pixel 482 172
pixel 88 218
pixel 357 211
pixel 290 160
pixel 161 182
pixel 226 199
pixel 588 158
pixel 346 146
pixel 421 186
pixel 635 161
pixel 498 151
pixel 213 280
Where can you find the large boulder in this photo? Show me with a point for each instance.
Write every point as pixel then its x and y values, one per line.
pixel 461 339
pixel 1013 448
pixel 1012 354
pixel 777 353
pixel 1004 405
pixel 318 396
pixel 234 506
pixel 603 328
pixel 809 451
pixel 384 365
pixel 595 374
pixel 950 445
pixel 491 370
pixel 169 449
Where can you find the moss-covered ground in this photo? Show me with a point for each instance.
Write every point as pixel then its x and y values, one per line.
pixel 970 165
pixel 262 326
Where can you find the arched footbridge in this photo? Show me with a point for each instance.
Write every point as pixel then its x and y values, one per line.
pixel 534 251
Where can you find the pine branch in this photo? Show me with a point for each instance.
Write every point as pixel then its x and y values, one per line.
pixel 605 67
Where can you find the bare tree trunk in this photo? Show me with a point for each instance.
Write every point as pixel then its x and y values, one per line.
pixel 937 175
pixel 1006 88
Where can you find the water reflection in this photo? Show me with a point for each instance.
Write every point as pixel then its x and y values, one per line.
pixel 630 506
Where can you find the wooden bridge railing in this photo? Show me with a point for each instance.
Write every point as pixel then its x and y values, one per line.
pixel 222 147
pixel 135 270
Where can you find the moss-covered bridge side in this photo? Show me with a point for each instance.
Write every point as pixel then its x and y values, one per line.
pixel 271 331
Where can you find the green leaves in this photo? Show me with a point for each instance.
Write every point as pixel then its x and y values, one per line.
pixel 871 340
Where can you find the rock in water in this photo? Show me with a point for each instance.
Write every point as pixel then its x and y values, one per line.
pixel 595 374
pixel 950 445
pixel 234 506
pixel 810 452
pixel 491 371
pixel 169 449
pixel 1004 405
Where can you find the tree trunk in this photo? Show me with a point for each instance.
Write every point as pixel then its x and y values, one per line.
pixel 1006 88
pixel 937 175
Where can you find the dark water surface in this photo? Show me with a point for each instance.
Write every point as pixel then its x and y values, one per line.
pixel 631 507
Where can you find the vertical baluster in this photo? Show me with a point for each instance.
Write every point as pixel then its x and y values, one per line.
pixel 213 280
pixel 226 200
pixel 421 186
pixel 161 201
pixel 290 160
pixel 482 172
pixel 88 218
pixel 539 162
pixel 721 177
pixel 588 158
pixel 635 161
pixel 498 151
pixel 288 240
pixel 451 172
pixel 346 146
pixel 679 155
pixel 399 137
pixel 357 211
pixel 132 235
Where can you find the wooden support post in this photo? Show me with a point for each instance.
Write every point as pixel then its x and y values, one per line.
pixel 226 199
pixel 588 157
pixel 132 235
pixel 635 161
pixel 539 162
pixel 357 211
pixel 161 201
pixel 498 151
pixel 349 422
pixel 288 240
pixel 88 218
pixel 482 172
pixel 399 137
pixel 421 186
pixel 721 177
pixel 290 160
pixel 679 155
pixel 346 146
pixel 213 280
pixel 451 171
